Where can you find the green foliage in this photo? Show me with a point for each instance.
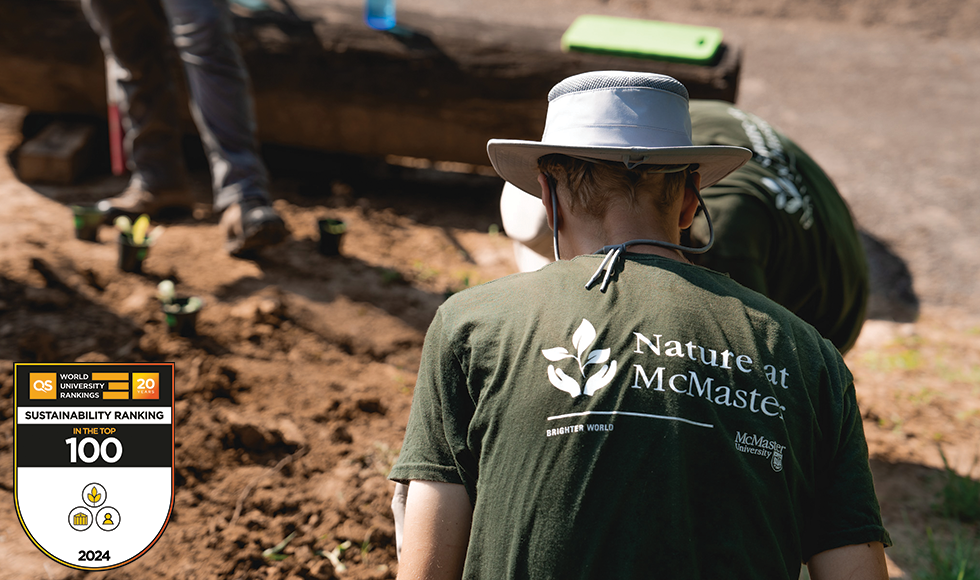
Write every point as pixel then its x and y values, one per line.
pixel 958 556
pixel 960 496
pixel 423 272
pixel 390 276
pixel 959 559
pixel 898 359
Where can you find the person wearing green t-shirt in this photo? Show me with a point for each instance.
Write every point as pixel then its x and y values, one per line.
pixel 623 412
pixel 781 226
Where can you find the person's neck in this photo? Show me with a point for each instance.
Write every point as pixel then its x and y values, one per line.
pixel 618 227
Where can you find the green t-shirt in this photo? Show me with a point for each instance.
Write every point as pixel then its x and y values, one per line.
pixel 781 227
pixel 677 425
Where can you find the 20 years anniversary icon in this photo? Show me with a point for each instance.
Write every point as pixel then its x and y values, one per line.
pixel 94 459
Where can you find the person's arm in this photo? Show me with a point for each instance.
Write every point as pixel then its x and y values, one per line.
pixel 856 562
pixel 437 531
pixel 398 500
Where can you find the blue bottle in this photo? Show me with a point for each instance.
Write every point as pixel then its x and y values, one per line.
pixel 380 14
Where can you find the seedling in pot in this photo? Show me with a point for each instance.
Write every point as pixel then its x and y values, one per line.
pixel 87 220
pixel 331 235
pixel 179 313
pixel 135 240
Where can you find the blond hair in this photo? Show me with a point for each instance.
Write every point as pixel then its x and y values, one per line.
pixel 589 187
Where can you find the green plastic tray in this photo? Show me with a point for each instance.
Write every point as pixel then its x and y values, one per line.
pixel 648 39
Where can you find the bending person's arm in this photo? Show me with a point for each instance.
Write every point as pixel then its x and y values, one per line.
pixel 437 531
pixel 856 562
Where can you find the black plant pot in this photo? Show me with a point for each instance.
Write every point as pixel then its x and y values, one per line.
pixel 331 234
pixel 131 255
pixel 87 221
pixel 181 315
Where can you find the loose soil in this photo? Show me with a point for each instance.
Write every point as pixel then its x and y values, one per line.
pixel 293 397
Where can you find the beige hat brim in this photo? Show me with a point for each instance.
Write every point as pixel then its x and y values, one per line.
pixel 517 161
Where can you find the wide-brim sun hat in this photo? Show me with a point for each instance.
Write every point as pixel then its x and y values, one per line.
pixel 619 116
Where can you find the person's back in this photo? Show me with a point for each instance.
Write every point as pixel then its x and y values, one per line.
pixel 625 413
pixel 781 226
pixel 628 433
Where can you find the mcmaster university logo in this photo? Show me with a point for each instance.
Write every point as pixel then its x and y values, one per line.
pixel 582 341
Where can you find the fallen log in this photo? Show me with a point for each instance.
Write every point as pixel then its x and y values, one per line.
pixel 432 88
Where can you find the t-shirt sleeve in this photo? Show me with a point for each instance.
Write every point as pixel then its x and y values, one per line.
pixel 847 512
pixel 435 440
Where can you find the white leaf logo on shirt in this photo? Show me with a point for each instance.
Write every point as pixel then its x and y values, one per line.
pixel 582 340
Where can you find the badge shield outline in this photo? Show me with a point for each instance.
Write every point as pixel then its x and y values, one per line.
pixel 47 490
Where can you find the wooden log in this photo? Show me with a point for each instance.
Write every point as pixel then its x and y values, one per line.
pixel 58 154
pixel 433 88
pixel 50 60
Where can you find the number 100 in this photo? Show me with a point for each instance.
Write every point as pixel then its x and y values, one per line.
pixel 77 449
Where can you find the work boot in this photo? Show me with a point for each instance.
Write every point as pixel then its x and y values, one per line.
pixel 137 200
pixel 251 224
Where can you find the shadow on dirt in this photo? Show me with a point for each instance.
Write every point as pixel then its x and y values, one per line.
pixel 892 291
pixel 464 196
pixel 297 268
pixel 57 322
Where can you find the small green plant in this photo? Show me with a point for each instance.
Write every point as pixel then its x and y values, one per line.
pixel 901 357
pixel 960 496
pixel 423 272
pixel 137 232
pixel 957 560
pixel 390 276
pixel 335 554
pixel 167 294
pixel 275 552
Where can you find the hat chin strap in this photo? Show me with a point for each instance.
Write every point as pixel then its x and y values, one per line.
pixel 615 251
pixel 554 207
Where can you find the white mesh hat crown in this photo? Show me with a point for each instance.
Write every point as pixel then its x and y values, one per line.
pixel 629 117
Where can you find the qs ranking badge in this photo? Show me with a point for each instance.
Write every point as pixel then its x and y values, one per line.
pixel 94 459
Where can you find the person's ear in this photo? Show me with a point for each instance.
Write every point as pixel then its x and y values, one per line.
pixel 689 206
pixel 546 200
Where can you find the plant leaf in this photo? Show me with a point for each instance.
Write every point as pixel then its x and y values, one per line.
pixel 275 552
pixel 140 228
pixel 583 337
pixel 563 382
pixel 597 357
pixel 124 225
pixel 166 291
pixel 600 379
pixel 556 354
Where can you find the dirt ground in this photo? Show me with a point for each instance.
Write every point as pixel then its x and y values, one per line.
pixel 292 399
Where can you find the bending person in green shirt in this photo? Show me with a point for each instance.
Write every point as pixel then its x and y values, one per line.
pixel 781 226
pixel 622 412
